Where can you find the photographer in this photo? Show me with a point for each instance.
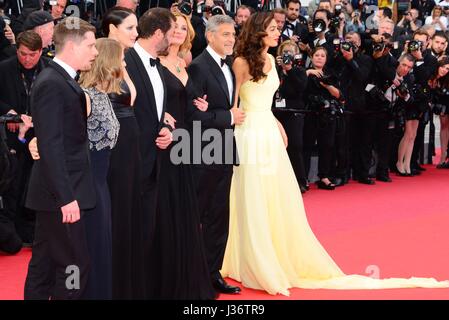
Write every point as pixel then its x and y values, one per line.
pixel 353 69
pixel 417 112
pixel 379 124
pixel 321 35
pixel 17 76
pixel 206 10
pixel 439 88
pixel 295 26
pixel 437 19
pixel 356 24
pixel 291 96
pixel 10 241
pixel 325 99
pixel 410 21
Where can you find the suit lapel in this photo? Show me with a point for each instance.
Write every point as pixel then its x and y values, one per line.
pixel 218 74
pixel 72 83
pixel 145 79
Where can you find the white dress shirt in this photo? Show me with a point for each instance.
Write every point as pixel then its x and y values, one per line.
pixel 66 67
pixel 289 32
pixel 225 69
pixel 226 72
pixel 155 77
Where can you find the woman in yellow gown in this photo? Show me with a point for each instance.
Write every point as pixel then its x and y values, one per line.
pixel 271 245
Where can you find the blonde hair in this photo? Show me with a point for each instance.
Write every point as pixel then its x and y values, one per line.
pixel 107 69
pixel 287 43
pixel 71 28
pixel 187 45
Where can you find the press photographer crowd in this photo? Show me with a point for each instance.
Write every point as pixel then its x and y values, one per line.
pixel 358 88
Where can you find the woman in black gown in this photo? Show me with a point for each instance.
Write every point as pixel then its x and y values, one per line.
pixel 124 171
pixel 180 268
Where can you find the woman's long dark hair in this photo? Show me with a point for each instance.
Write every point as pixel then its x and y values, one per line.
pixel 250 44
pixel 444 81
pixel 114 16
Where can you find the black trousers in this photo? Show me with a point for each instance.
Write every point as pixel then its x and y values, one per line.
pixel 294 128
pixel 213 187
pixel 59 265
pixel 148 216
pixel 356 137
pixel 376 133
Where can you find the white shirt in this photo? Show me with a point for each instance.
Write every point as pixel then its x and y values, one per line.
pixel 225 69
pixel 227 74
pixel 155 78
pixel 391 95
pixel 66 67
pixel 289 32
pixel 437 26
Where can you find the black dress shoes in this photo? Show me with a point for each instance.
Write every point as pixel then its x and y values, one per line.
pixel 383 178
pixel 366 180
pixel 221 286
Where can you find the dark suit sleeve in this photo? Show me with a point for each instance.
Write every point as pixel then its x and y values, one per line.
pixel 210 118
pixel 387 67
pixel 294 83
pixel 360 68
pixel 47 108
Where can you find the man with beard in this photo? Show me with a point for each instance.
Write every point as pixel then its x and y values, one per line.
pixel 439 44
pixel 295 27
pixel 156 29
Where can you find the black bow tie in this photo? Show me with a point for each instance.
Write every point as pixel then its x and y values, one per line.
pixel 289 25
pixel 154 62
pixel 77 77
pixel 223 62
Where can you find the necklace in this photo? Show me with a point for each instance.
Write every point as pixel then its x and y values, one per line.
pixel 178 69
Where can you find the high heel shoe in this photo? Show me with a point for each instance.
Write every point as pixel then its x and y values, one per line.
pixel 322 185
pixel 401 173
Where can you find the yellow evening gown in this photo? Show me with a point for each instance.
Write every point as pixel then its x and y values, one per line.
pixel 271 245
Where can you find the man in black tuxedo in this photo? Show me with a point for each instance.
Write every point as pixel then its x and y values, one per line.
pixel 156 29
pixel 61 185
pixel 213 77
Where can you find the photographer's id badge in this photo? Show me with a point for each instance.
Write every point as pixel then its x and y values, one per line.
pixel 280 103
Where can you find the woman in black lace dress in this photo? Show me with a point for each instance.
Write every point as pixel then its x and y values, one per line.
pixel 180 268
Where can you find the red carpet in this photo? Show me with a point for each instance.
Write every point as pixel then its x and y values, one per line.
pixel 399 229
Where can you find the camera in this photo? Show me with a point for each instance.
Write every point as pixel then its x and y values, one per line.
pixel 218 8
pixel 10 118
pixel 347 46
pixel 445 7
pixel 185 8
pixel 414 45
pixel 381 45
pixel 288 58
pixel 402 89
pixel 319 25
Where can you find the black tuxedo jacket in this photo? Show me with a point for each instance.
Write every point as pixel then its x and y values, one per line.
pixel 209 79
pixel 62 174
pixel 146 111
pixel 299 30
